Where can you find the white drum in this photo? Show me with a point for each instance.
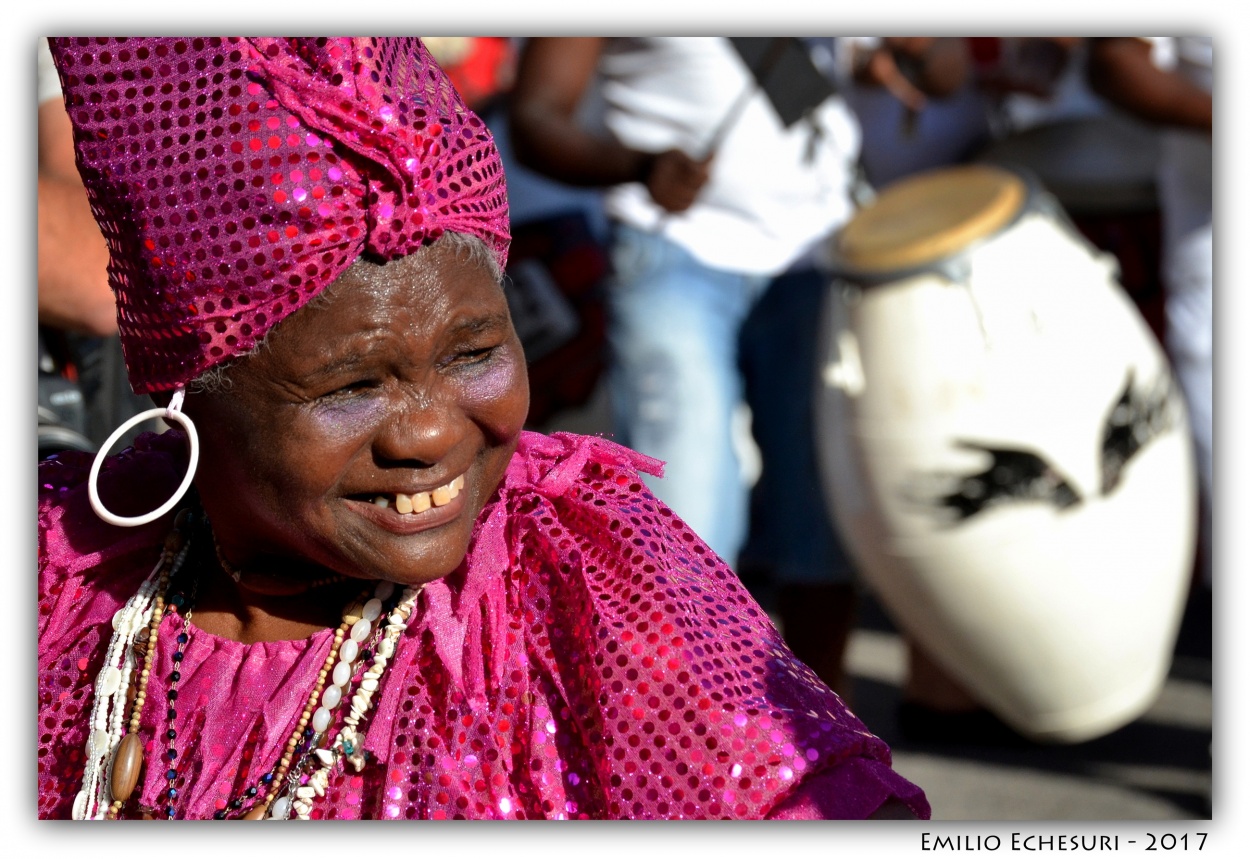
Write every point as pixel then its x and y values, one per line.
pixel 1006 451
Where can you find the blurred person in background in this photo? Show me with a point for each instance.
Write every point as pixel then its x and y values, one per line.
pixel 1000 85
pixel 1168 82
pixel 710 195
pixel 74 294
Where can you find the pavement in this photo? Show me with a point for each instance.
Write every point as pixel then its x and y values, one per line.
pixel 1155 768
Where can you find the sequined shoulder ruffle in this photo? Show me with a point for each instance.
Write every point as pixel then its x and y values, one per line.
pixel 610 666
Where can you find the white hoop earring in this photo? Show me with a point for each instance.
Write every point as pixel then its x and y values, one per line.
pixel 172 412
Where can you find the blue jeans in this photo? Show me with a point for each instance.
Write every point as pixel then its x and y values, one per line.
pixel 673 379
pixel 792 540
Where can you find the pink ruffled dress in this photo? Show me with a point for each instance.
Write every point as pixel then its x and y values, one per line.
pixel 591 658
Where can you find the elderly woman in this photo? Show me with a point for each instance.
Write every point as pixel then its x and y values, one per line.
pixel 346 584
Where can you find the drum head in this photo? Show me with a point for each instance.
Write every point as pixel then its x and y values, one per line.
pixel 930 217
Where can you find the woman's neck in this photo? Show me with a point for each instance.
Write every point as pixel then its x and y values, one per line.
pixel 263 608
pixel 265 620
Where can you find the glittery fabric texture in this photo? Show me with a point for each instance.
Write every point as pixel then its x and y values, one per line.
pixel 591 658
pixel 235 178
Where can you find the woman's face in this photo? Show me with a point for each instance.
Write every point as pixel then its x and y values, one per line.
pixel 409 382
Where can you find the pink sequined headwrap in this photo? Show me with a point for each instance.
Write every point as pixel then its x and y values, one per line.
pixel 234 179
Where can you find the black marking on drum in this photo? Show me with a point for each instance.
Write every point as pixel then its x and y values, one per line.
pixel 1013 475
pixel 1140 415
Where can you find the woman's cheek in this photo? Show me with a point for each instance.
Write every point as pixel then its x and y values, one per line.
pixel 312 446
pixel 499 394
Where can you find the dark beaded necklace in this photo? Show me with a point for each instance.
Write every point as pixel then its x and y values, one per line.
pixel 177 602
pixel 181 602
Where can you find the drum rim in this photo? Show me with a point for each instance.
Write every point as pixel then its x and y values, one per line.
pixel 953 265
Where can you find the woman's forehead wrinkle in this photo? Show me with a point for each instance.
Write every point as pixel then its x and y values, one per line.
pixel 480 323
pixel 329 361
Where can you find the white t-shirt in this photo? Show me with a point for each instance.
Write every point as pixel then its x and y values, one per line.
pixel 773 191
pixel 1189 56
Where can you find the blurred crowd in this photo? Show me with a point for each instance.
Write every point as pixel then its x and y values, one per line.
pixel 672 205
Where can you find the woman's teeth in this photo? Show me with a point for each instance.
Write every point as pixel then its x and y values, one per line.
pixel 422 501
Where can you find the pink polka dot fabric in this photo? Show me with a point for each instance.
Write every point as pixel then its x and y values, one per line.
pixel 591 658
pixel 235 178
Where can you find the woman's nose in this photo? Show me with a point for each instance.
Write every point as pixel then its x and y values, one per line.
pixel 419 430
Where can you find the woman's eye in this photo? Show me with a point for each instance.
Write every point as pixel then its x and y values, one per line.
pixel 348 390
pixel 472 356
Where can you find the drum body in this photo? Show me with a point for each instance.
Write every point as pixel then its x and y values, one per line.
pixel 1008 460
pixel 1103 170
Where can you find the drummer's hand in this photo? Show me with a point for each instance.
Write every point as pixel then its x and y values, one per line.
pixel 882 69
pixel 674 179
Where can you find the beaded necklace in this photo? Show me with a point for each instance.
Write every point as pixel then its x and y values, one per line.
pixel 301 774
pixel 107 739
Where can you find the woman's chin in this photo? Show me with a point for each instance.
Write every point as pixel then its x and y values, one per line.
pixel 423 573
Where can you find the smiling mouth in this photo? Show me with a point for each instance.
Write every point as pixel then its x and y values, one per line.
pixel 421 501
